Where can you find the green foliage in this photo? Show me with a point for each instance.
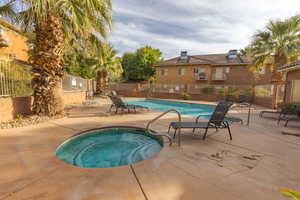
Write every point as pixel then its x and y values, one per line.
pixel 208 90
pixel 294 195
pixel 247 92
pixel 230 92
pixel 139 65
pixel 275 45
pixel 186 96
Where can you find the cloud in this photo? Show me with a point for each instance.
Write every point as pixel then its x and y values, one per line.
pixel 206 26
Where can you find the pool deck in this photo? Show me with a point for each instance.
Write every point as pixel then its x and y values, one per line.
pixel 253 166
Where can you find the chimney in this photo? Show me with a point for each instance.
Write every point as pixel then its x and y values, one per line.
pixel 183 55
pixel 232 54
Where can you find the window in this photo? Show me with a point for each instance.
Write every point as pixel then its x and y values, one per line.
pixel 227 69
pixel 177 87
pixel 219 73
pixel 181 71
pixel 163 72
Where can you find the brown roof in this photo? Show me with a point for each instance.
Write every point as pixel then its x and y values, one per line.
pixel 213 59
pixel 292 66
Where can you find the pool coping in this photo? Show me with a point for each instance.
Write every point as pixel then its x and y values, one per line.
pixel 185 101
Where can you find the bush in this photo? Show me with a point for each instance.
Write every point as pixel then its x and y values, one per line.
pixel 248 92
pixel 230 92
pixel 208 90
pixel 186 96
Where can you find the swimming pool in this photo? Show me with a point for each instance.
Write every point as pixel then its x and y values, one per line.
pixel 109 147
pixel 184 108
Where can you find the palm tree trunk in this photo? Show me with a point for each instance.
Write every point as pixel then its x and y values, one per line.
pixel 105 81
pixel 47 65
pixel 280 59
pixel 99 82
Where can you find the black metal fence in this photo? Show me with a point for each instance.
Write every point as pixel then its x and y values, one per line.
pixel 15 79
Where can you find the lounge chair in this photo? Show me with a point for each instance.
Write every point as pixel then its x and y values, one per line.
pixel 118 103
pixel 282 113
pixel 294 116
pixel 217 120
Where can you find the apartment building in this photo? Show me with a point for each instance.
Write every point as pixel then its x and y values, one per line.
pixel 12 42
pixel 291 74
pixel 191 72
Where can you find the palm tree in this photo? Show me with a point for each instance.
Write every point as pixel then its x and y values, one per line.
pixel 54 22
pixel 106 63
pixel 277 45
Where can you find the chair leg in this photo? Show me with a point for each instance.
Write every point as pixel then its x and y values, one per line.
pixel 110 108
pixel 175 133
pixel 169 129
pixel 286 123
pixel 116 110
pixel 194 130
pixel 204 136
pixel 279 119
pixel 228 127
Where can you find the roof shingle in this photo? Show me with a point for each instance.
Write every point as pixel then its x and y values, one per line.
pixel 213 59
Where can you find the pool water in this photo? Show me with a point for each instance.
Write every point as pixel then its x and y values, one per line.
pixel 109 148
pixel 184 108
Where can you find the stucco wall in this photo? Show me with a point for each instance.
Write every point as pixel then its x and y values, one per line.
pixel 74 97
pixel 238 75
pixel 12 107
pixel 17 45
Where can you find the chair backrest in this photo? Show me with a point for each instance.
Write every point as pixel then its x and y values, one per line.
pixel 117 101
pixel 244 99
pixel 229 98
pixel 297 109
pixel 220 112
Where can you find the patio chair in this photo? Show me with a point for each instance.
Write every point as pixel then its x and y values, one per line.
pixel 243 101
pixel 217 120
pixel 282 113
pixel 118 103
pixel 294 116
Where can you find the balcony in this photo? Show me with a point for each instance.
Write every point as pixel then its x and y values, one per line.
pixel 219 77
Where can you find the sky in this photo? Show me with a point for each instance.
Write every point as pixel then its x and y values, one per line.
pixel 197 26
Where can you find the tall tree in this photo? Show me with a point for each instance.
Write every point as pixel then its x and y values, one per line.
pixel 276 45
pixel 139 65
pixel 54 22
pixel 106 63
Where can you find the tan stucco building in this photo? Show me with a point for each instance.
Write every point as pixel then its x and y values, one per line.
pixel 12 42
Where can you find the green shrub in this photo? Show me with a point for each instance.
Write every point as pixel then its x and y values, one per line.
pixel 248 92
pixel 186 96
pixel 229 92
pixel 208 90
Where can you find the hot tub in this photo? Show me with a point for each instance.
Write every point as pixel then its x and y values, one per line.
pixel 109 147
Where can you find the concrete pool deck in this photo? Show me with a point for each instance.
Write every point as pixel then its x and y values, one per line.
pixel 254 165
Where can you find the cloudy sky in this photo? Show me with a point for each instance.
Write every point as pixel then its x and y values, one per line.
pixel 198 26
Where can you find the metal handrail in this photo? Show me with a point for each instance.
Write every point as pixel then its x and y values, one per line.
pixel 161 115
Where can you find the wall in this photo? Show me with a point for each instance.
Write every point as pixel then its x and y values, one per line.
pixel 17 45
pixel 291 75
pixel 74 97
pixel 12 107
pixel 239 75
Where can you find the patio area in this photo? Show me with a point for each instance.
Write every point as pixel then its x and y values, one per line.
pixel 258 162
